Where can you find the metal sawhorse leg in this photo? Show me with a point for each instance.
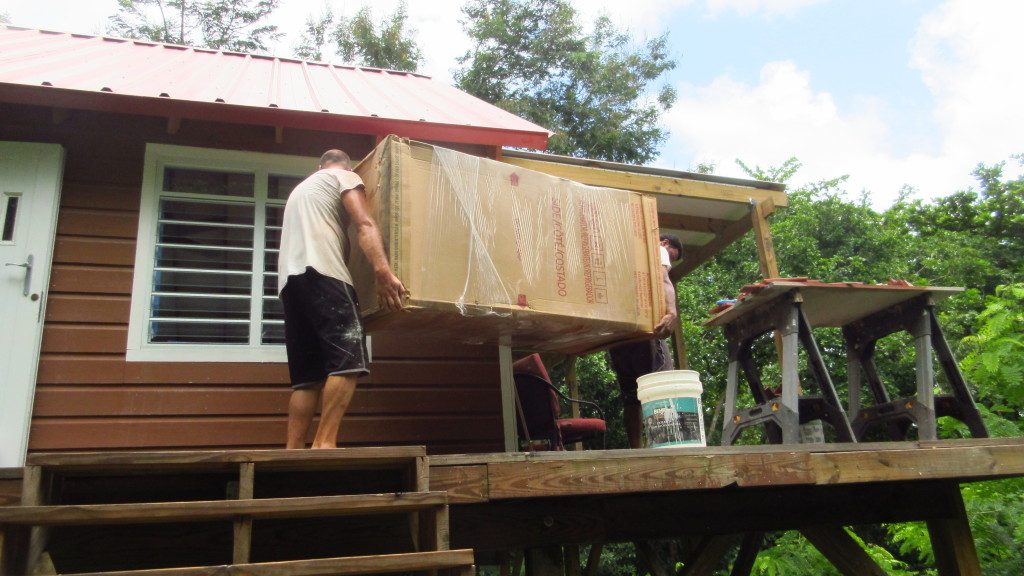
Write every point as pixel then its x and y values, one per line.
pixel 781 415
pixel 917 317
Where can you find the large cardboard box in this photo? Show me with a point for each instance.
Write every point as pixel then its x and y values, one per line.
pixel 494 253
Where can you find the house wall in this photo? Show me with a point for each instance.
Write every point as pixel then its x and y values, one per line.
pixel 443 395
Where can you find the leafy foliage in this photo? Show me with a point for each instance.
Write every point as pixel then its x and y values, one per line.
pixel 995 361
pixel 532 58
pixel 236 25
pixel 960 240
pixel 360 41
pixel 978 233
pixel 790 554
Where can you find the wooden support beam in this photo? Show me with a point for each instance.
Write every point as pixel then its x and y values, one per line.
pixel 34 492
pixel 572 560
pixel 546 561
pixel 345 566
pixel 593 559
pixel 508 395
pixel 952 543
pixel 749 548
pixel 709 554
pixel 655 565
pixel 379 457
pixel 517 562
pixel 221 509
pixel 173 125
pixel 759 212
pixel 573 383
pixel 242 548
pixel 836 545
pixel 421 481
pixel 650 183
pixel 442 536
pixel 505 566
pixel 582 520
pixel 679 341
pixel 278 134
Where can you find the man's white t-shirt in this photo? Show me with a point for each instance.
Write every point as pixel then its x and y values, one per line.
pixel 666 258
pixel 312 233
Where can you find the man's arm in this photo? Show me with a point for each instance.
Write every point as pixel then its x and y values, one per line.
pixel 664 327
pixel 390 289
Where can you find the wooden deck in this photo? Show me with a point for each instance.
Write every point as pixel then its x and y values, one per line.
pixel 504 501
pixel 719 495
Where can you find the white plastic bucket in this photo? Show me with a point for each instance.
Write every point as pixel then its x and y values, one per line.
pixel 672 409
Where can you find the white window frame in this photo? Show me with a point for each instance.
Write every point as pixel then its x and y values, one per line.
pixel 159 157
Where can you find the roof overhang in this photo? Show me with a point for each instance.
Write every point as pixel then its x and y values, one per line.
pixel 272 117
pixel 74 71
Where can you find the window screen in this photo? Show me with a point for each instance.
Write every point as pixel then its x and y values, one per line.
pixel 215 255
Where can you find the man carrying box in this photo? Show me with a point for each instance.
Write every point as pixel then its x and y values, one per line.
pixel 323 332
pixel 635 359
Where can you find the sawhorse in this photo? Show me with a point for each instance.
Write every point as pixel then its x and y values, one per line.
pixel 916 316
pixel 866 313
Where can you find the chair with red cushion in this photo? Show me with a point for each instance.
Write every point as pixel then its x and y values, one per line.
pixel 537 403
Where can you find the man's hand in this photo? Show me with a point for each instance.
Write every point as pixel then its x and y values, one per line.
pixel 390 291
pixel 664 328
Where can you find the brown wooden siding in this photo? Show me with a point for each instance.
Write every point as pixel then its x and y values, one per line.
pixel 443 395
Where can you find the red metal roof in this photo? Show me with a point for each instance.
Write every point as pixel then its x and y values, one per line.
pixel 131 76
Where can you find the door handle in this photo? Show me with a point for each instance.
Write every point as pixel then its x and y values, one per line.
pixel 27 265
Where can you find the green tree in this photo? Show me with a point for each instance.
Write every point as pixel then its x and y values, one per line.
pixel 972 234
pixel 995 365
pixel 995 359
pixel 316 35
pixel 964 239
pixel 235 25
pixel 360 41
pixel 532 58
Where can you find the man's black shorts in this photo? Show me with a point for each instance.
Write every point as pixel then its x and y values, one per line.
pixel 323 332
pixel 635 359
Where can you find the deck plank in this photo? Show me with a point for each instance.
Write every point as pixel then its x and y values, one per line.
pixel 345 566
pixel 228 459
pixel 153 512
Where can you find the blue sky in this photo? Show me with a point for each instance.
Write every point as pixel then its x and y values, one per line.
pixel 891 92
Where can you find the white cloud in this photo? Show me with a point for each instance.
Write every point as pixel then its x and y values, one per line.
pixel 778 118
pixel 967 53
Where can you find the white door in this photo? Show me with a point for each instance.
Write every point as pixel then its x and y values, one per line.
pixel 30 177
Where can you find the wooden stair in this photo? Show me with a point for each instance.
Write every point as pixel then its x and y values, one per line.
pixel 266 512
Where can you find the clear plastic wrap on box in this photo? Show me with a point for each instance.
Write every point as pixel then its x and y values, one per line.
pixel 488 250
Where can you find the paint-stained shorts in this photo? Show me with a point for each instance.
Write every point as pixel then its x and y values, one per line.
pixel 323 332
pixel 635 359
